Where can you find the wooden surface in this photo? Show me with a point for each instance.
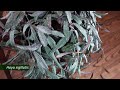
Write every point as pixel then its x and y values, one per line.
pixel 107 67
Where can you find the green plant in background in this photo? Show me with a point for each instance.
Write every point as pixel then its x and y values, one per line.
pixel 55 44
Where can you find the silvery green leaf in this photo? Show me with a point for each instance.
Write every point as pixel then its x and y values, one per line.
pixel 97 15
pixel 44 29
pixel 73 67
pixel 79 69
pixel 13 19
pixel 59 13
pixel 29 71
pixel 51 42
pixel 63 54
pixel 32 47
pixel 78 48
pixel 41 70
pixel 82 30
pixel 57 52
pixel 69 16
pixel 40 60
pixel 25 27
pixel 57 33
pixel 7 43
pixel 85 58
pixel 76 33
pixel 31 76
pixel 38 13
pixel 6 16
pixel 42 38
pixel 73 38
pixel 39 49
pixel 21 16
pixel 5 32
pixel 48 20
pixel 68 48
pixel 48 63
pixel 46 57
pixel 66 30
pixel 55 60
pixel 38 75
pixel 95 32
pixel 87 45
pixel 62 73
pixel 33 34
pixel 60 76
pixel 60 44
pixel 81 63
pixel 10 20
pixel 52 75
pixel 90 32
pixel 54 69
pixel 12 37
pixel 63 63
pixel 47 49
pixel 93 17
pixel 74 70
pixel 100 15
pixel 31 37
pixel 92 46
pixel 77 19
pixel 54 16
pixel 97 46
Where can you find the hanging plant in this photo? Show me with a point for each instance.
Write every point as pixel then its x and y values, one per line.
pixel 55 44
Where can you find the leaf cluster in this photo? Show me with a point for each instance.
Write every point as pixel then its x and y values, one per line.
pixel 55 44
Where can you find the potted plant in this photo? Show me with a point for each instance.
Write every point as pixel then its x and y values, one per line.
pixel 56 44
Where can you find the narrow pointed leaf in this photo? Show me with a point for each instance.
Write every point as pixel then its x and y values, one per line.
pixel 54 69
pixel 51 42
pixel 44 29
pixel 25 27
pixel 69 16
pixel 77 19
pixel 82 30
pixel 32 47
pixel 66 30
pixel 12 37
pixel 42 38
pixel 40 60
pixel 29 72
pixel 52 75
pixel 57 33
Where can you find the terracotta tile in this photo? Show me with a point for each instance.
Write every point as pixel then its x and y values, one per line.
pixel 2 75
